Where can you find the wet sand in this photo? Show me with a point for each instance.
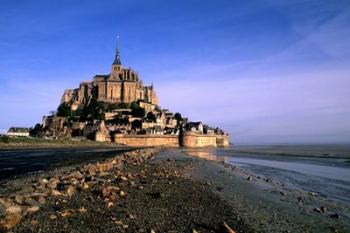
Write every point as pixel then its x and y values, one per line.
pixel 20 162
pixel 172 192
pixel 324 150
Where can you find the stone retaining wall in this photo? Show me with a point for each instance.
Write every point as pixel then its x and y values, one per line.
pixel 147 140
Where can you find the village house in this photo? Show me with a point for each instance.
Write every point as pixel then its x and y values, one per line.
pixel 18 132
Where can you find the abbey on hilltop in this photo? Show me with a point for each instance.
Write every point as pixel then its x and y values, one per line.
pixel 118 108
pixel 122 85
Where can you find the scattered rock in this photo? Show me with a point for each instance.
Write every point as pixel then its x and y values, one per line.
pixel 76 174
pixel 122 194
pixel 53 182
pixel 227 228
pixel 36 194
pixel 118 222
pixel 88 185
pixel 41 200
pixel 32 209
pixel 320 210
pixel 34 222
pixel 55 193
pixel 123 178
pixel 53 217
pixel 335 216
pixel 32 202
pixel 55 189
pixel 66 213
pixel 19 199
pixel 43 181
pixel 8 207
pixel 10 214
pixel 9 221
pixel 70 191
pixel 110 204
pixel 82 210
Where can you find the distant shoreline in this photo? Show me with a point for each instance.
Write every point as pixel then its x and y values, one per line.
pixel 302 150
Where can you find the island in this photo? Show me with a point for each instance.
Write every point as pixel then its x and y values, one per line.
pixel 119 108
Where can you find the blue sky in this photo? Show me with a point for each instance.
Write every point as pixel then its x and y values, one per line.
pixel 266 71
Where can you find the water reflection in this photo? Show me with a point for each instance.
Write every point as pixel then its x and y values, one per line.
pixel 304 167
pixel 208 154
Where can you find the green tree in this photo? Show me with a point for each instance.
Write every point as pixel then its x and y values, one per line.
pixel 36 131
pixel 136 110
pixel 151 116
pixel 158 108
pixel 136 124
pixel 123 106
pixel 178 116
pixel 64 110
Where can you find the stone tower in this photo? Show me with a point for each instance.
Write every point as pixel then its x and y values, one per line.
pixel 117 64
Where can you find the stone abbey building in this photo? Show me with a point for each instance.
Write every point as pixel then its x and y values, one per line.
pixel 122 85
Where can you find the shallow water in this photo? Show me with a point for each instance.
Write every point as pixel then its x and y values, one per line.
pixel 329 177
pixel 14 163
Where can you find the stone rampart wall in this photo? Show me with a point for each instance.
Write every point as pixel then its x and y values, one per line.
pixel 191 139
pixel 148 140
pixel 222 141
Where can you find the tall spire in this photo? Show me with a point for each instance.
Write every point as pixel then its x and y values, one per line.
pixel 117 54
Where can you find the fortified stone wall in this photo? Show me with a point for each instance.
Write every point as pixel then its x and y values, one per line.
pixel 147 140
pixel 192 139
pixel 222 141
pixel 102 137
pixel 189 139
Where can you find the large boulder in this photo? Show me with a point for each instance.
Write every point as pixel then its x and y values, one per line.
pixel 10 214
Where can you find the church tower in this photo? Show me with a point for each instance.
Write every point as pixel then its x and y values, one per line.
pixel 117 64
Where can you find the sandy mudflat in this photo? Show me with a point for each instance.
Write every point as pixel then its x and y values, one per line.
pixel 322 150
pixel 167 192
